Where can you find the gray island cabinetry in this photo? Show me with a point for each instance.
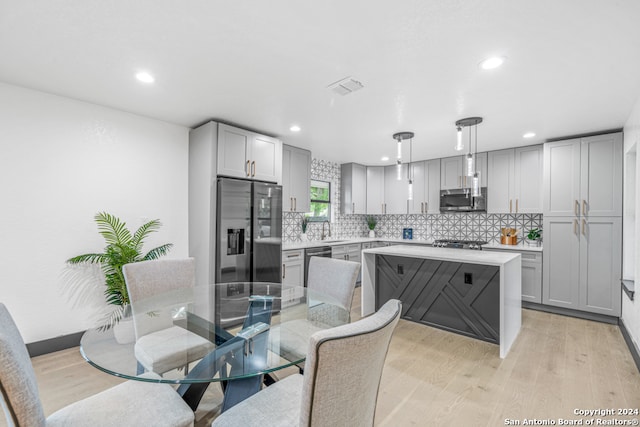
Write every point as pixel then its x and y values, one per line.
pixel 473 293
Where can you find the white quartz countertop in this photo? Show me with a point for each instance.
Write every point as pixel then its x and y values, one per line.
pixel 334 242
pixel 519 247
pixel 446 254
pixel 347 240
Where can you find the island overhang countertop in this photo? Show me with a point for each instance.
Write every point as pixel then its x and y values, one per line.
pixel 508 265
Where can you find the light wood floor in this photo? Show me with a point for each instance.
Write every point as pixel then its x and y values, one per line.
pixel 435 378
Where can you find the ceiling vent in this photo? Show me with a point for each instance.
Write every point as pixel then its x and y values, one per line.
pixel 346 86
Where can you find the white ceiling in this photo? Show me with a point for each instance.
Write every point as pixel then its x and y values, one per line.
pixel 573 66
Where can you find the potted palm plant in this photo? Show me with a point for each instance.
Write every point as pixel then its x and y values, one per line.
pixel 123 247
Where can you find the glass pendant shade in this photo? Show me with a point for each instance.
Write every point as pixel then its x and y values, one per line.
pixel 475 185
pixel 470 167
pixel 399 170
pixel 399 155
pixel 459 146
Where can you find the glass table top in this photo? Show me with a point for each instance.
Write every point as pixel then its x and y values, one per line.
pixel 219 332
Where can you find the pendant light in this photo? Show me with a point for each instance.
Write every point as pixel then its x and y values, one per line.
pixel 459 145
pixel 475 181
pixel 470 165
pixel 401 136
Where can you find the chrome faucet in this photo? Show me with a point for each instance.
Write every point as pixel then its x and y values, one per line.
pixel 322 236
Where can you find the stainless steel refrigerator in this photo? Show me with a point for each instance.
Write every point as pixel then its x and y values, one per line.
pixel 248 232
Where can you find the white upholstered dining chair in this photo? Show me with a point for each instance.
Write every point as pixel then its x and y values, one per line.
pixel 160 346
pixel 132 403
pixel 334 278
pixel 340 384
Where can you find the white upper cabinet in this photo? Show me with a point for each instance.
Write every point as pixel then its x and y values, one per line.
pixel 353 191
pixel 453 172
pixel 296 179
pixel 375 190
pixel 396 191
pixel 426 187
pixel 515 181
pixel 583 176
pixel 249 155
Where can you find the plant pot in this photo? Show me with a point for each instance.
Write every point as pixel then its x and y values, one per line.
pixel 372 234
pixel 536 242
pixel 124 331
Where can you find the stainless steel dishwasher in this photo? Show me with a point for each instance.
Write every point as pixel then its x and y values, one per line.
pixel 324 251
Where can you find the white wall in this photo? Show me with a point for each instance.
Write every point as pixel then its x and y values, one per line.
pixel 631 309
pixel 61 162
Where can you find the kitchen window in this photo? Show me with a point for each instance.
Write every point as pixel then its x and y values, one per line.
pixel 320 193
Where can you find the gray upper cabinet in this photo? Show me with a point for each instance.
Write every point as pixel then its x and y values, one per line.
pixel 453 173
pixel 601 175
pixel 296 179
pixel 426 187
pixel 353 191
pixel 375 190
pixel 248 155
pixel 583 176
pixel 515 181
pixel 396 191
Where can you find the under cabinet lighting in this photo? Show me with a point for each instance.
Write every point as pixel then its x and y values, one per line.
pixel 295 128
pixel 529 135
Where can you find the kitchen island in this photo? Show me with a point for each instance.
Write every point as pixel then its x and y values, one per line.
pixel 470 292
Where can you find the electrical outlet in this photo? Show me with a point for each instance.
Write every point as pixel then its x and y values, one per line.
pixel 400 269
pixel 468 278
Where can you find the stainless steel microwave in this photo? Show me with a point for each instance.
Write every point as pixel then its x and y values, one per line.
pixel 461 200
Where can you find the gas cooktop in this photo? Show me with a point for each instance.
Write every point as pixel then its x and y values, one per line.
pixel 459 244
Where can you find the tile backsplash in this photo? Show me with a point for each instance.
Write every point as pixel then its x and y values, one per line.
pixel 465 226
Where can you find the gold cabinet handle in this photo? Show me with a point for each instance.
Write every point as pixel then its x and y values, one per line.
pixel 284 270
pixel 577 208
pixel 382 207
pixel 247 168
pixel 295 204
pixel 584 223
pixel 426 207
pixel 465 180
pixel 584 207
pixel 291 203
pixel 510 205
pixel 460 181
pixel 516 205
pixel 253 168
pixel 575 227
pixel 353 208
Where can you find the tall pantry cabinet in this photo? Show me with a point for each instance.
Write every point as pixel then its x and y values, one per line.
pixel 582 223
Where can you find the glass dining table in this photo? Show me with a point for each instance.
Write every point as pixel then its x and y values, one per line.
pixel 243 326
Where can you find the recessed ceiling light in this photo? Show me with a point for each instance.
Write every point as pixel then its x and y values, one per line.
pixel 493 62
pixel 384 159
pixel 295 128
pixel 145 77
pixel 529 135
